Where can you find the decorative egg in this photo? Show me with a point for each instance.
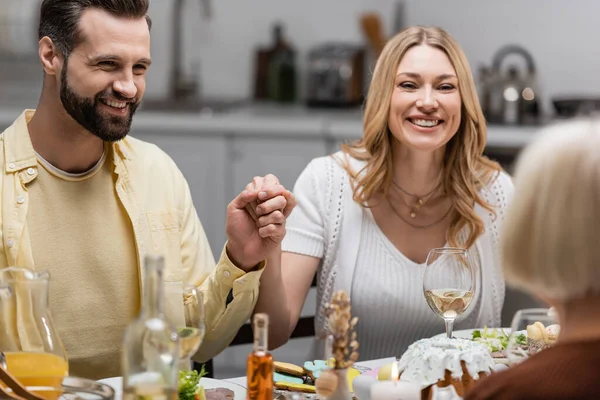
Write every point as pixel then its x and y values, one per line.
pixel 327 383
pixel 385 372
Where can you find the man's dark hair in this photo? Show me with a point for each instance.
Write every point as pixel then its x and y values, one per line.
pixel 59 19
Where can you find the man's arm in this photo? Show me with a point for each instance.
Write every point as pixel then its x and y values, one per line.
pixel 217 283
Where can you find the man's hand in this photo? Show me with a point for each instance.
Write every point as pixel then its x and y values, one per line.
pixel 256 221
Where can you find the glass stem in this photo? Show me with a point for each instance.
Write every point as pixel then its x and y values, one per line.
pixel 449 325
pixel 152 299
pixel 185 364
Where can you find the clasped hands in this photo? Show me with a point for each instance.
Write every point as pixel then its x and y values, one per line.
pixel 256 220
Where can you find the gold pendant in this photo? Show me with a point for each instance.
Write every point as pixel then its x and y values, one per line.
pixel 419 204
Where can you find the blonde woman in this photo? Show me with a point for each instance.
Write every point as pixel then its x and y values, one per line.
pixel 550 249
pixel 368 215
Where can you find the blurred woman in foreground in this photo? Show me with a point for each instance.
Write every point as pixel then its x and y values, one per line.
pixel 550 248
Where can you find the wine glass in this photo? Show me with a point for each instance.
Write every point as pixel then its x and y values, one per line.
pixel 192 334
pixel 531 330
pixel 449 283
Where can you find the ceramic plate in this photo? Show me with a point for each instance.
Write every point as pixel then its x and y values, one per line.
pixel 208 383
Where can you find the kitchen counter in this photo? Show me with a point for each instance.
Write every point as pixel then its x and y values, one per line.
pixel 280 121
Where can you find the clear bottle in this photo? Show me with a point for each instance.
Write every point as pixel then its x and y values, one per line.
pixel 150 345
pixel 260 362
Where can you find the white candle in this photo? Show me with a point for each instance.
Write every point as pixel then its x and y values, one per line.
pixel 362 386
pixel 395 390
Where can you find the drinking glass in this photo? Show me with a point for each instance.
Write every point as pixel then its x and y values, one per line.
pixel 192 334
pixel 449 283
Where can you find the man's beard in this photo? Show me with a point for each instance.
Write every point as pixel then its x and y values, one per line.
pixel 109 128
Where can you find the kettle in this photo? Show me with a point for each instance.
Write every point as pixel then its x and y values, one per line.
pixel 512 96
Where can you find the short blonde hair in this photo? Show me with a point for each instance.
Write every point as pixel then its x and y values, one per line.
pixel 550 240
pixel 466 170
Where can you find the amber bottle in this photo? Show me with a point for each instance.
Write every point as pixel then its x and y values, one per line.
pixel 260 362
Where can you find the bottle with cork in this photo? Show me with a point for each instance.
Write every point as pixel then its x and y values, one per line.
pixel 260 362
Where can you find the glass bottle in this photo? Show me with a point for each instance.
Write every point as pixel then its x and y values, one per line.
pixel 150 345
pixel 260 362
pixel 282 69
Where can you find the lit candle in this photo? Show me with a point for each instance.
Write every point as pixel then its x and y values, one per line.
pixel 395 389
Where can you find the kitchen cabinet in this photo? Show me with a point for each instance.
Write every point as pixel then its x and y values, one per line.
pixel 341 131
pixel 203 161
pixel 219 166
pixel 506 157
pixel 335 145
pixel 286 157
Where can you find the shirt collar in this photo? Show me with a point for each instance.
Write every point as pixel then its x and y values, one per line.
pixel 18 149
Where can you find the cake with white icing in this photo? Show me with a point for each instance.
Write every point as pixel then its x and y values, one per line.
pixel 443 361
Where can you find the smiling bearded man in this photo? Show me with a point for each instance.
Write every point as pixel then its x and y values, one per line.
pixel 84 201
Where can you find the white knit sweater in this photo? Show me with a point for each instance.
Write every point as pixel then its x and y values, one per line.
pixel 327 224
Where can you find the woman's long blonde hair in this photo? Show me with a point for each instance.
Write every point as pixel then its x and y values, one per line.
pixel 465 169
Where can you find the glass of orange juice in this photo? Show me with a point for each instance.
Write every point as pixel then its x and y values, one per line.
pixel 33 351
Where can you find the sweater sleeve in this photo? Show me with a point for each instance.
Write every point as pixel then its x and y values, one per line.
pixel 306 224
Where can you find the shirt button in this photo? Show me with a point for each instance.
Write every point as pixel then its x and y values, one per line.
pixel 11 165
pixel 30 171
pixel 10 243
pixel 226 273
pixel 20 199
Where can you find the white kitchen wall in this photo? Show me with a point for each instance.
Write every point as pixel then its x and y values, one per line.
pixel 224 45
pixel 560 35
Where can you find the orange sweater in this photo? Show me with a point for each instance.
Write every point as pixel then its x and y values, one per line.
pixel 565 371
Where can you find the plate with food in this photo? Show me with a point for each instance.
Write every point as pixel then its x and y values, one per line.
pixel 192 386
pixel 495 339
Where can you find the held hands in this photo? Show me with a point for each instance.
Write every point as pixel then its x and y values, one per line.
pixel 256 221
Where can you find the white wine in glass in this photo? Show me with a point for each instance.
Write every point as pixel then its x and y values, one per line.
pixel 191 335
pixel 448 303
pixel 190 340
pixel 449 283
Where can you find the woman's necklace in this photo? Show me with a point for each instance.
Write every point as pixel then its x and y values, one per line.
pixel 412 224
pixel 420 200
